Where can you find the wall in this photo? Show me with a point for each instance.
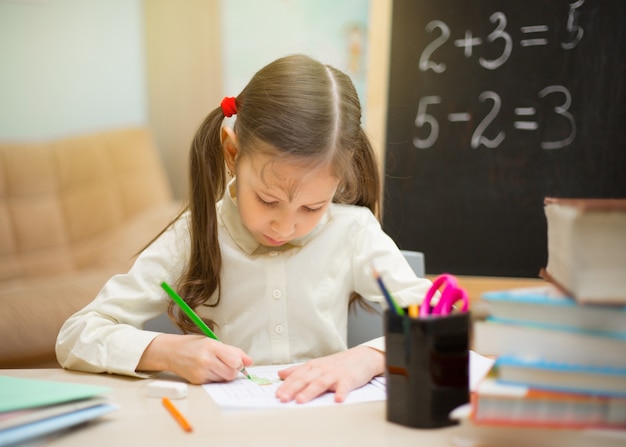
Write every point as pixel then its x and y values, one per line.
pixel 70 66
pixel 184 76
pixel 379 41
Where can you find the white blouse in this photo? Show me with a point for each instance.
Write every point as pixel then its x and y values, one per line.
pixel 280 305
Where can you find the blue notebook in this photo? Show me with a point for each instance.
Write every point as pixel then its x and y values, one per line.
pixel 541 374
pixel 36 429
pixel 546 306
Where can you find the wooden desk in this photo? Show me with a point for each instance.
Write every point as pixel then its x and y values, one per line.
pixel 143 421
pixel 477 285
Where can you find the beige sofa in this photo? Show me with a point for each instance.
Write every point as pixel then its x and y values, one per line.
pixel 73 212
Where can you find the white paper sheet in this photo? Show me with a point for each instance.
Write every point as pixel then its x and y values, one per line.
pixel 244 393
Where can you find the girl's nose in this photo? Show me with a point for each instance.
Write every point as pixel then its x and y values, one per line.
pixel 284 226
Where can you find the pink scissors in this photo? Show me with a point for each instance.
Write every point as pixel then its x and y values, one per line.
pixel 451 294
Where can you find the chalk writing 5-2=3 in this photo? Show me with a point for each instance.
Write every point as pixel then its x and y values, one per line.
pixel 525 122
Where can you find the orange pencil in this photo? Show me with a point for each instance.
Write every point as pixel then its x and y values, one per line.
pixel 177 415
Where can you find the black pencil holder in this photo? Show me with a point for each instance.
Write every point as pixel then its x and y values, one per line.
pixel 427 368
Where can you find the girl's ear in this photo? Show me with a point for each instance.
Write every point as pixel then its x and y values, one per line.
pixel 230 147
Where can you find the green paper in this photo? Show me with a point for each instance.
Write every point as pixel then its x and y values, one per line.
pixel 260 380
pixel 18 393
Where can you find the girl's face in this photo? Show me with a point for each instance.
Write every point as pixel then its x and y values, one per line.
pixel 280 201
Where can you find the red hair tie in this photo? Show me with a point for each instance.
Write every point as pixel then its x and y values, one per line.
pixel 229 106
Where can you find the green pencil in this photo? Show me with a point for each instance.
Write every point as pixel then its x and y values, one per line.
pixel 195 318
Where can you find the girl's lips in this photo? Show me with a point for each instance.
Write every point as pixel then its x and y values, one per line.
pixel 274 242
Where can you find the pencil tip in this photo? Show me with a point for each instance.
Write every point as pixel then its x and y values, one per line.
pixel 245 372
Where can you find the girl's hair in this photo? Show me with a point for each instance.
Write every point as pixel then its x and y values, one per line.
pixel 303 110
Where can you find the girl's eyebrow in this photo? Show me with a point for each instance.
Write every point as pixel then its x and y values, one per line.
pixel 269 195
pixel 320 202
pixel 272 196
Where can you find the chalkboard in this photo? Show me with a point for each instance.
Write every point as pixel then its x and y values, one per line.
pixel 494 105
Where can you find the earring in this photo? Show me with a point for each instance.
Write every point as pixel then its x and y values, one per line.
pixel 229 172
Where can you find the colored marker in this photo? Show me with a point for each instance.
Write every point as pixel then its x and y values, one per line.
pixel 390 301
pixel 414 310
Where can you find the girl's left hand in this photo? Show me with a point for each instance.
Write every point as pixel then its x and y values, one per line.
pixel 341 372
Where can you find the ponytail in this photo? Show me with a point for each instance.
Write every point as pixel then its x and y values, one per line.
pixel 207 184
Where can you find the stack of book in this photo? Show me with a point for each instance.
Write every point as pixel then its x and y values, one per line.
pixel 31 409
pixel 558 362
pixel 561 349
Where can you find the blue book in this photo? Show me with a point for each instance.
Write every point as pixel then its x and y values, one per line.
pixel 541 343
pixel 49 425
pixel 547 307
pixel 553 376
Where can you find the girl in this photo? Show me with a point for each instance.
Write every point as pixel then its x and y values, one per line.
pixel 271 260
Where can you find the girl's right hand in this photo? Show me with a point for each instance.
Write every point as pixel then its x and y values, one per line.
pixel 195 358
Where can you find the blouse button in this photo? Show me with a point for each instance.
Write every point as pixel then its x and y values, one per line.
pixel 279 328
pixel 277 294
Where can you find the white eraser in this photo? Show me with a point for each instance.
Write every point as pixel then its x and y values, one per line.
pixel 164 388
